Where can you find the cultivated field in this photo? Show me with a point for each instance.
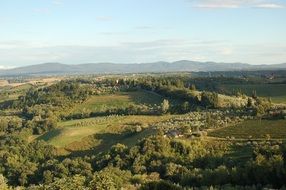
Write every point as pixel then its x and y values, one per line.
pixel 254 129
pixel 277 92
pixel 100 131
pixel 118 100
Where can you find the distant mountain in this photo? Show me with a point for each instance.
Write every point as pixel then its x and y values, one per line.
pixel 102 68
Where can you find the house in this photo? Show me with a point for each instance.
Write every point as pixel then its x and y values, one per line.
pixel 174 133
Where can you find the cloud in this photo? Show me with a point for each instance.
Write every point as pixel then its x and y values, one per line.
pixel 12 44
pixel 17 44
pixel 217 4
pixel 226 51
pixel 270 6
pixel 124 52
pixel 143 51
pixel 2 67
pixel 214 4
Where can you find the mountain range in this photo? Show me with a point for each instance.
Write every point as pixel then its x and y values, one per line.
pixel 113 68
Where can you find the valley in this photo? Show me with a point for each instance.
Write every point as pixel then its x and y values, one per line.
pixel 148 128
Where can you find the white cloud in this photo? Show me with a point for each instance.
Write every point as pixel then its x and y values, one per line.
pixel 12 44
pixel 143 51
pixel 6 67
pixel 226 51
pixel 270 6
pixel 213 4
pixel 17 44
pixel 217 4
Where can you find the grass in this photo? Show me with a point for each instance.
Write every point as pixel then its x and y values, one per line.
pixel 255 128
pixel 277 92
pixel 75 130
pixel 102 132
pixel 118 100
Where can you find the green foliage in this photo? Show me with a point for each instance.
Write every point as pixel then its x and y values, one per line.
pixel 19 160
pixel 110 178
pixel 160 185
pixel 137 152
pixel 185 108
pixel 3 183
pixel 58 94
pixel 165 106
pixel 76 182
pixel 209 99
pixel 10 124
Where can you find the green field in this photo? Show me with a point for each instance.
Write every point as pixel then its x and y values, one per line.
pixel 277 92
pixel 118 100
pixel 101 131
pixel 255 128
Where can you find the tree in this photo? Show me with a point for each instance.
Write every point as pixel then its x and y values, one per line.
pixel 185 107
pixel 209 99
pixel 3 183
pixel 110 178
pixel 75 182
pixel 193 87
pixel 254 95
pixel 165 106
pixel 249 102
pixel 158 185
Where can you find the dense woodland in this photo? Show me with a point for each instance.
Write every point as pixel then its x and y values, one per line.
pixel 157 161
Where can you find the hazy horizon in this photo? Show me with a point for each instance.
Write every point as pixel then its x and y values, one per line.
pixel 13 67
pixel 77 32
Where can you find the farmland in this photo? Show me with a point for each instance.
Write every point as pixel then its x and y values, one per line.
pixel 256 129
pixel 118 100
pixel 277 92
pixel 70 133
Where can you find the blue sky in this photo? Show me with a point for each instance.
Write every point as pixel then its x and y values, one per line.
pixel 137 31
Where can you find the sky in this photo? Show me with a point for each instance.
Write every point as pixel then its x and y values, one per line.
pixel 140 31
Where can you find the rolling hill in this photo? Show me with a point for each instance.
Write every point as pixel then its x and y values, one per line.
pixel 102 68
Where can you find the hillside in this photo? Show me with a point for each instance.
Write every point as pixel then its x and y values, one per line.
pixel 101 68
pixel 134 133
